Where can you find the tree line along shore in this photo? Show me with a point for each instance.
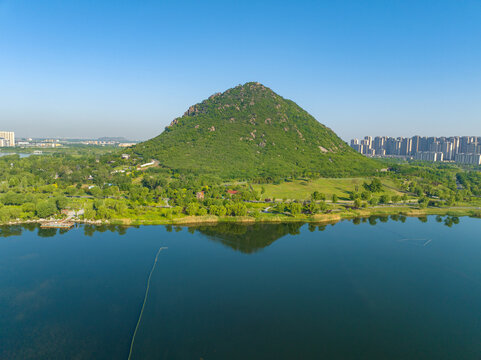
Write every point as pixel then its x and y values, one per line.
pixel 105 186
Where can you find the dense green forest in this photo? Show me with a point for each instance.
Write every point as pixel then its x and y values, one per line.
pixel 250 132
pixel 109 187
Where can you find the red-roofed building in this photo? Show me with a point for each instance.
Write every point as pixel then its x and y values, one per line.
pixel 232 192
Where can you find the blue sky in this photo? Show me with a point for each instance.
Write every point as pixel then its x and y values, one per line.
pixel 127 68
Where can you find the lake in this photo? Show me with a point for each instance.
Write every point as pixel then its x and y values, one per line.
pixel 22 155
pixel 369 289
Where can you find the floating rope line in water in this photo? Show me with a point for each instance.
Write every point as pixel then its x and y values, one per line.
pixel 143 305
pixel 425 241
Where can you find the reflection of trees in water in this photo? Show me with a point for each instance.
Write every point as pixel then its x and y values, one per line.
pixel 450 220
pixel 62 231
pixel 11 230
pixel 313 227
pixel 6 231
pixel 373 220
pixel 90 229
pixel 248 238
pixel 30 226
pixel 48 232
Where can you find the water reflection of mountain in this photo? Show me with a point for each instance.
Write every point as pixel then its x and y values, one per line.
pixel 248 238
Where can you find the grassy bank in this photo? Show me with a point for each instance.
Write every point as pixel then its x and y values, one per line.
pixel 318 218
pixel 337 214
pixel 302 189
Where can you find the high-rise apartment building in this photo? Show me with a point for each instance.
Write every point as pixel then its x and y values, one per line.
pixel 416 144
pixel 422 148
pixel 406 146
pixel 7 138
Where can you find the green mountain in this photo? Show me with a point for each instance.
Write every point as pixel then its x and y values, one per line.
pixel 251 132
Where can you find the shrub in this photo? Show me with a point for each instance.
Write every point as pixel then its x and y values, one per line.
pixel 46 209
pixel 192 208
pixel 295 208
pixel 385 199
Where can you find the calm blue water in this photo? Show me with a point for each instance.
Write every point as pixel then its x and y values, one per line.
pixel 394 290
pixel 22 155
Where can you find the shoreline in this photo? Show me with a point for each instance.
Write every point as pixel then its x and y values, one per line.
pixel 329 218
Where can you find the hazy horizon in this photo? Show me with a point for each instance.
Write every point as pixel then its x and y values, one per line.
pixel 360 137
pixel 89 70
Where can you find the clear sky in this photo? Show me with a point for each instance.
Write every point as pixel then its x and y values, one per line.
pixel 126 68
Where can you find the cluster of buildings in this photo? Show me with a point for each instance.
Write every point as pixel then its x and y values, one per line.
pixel 43 143
pixel 7 138
pixel 460 149
pixel 104 143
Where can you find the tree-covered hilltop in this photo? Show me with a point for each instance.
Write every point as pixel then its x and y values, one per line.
pixel 251 132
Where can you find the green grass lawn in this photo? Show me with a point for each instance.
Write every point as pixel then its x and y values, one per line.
pixel 302 190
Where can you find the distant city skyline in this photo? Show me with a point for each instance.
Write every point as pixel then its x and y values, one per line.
pixel 460 149
pixel 347 140
pixel 109 68
pixel 410 135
